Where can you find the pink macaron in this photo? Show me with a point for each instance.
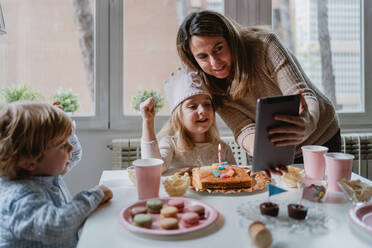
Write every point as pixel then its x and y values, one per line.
pixel 178 203
pixel 190 219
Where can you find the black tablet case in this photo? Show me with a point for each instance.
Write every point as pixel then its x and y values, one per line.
pixel 266 154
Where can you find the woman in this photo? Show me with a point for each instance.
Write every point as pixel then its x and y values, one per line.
pixel 239 66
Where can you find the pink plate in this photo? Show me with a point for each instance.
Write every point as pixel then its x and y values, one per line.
pixel 126 219
pixel 361 216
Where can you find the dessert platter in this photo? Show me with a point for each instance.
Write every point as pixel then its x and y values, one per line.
pixel 305 218
pixel 225 178
pixel 360 195
pixel 361 217
pixel 167 216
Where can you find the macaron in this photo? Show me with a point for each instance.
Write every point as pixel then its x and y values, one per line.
pixel 138 210
pixel 169 212
pixel 169 223
pixel 178 203
pixel 197 209
pixel 190 219
pixel 154 205
pixel 143 220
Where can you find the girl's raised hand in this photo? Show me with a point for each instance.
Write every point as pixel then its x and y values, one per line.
pixel 148 109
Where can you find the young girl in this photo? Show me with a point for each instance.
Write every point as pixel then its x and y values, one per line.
pixel 36 207
pixel 190 137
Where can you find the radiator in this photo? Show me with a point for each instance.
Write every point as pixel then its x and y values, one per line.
pixel 360 145
pixel 125 151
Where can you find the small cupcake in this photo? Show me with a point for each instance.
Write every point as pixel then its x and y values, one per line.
pixel 297 211
pixel 269 208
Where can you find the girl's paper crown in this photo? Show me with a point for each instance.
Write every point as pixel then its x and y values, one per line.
pixel 182 86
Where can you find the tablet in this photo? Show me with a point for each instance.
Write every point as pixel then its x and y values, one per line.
pixel 266 155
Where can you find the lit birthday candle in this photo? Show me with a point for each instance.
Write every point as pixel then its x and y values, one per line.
pixel 219 154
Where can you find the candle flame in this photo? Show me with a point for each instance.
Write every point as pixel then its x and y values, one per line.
pixel 219 147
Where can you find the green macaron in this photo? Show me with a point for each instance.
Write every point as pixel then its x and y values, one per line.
pixel 154 206
pixel 143 220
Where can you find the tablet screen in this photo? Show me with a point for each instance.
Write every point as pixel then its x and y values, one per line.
pixel 266 155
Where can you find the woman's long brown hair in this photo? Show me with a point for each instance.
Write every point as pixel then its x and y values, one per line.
pixel 244 48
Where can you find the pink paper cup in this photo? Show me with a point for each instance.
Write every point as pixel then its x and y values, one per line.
pixel 338 165
pixel 148 174
pixel 314 163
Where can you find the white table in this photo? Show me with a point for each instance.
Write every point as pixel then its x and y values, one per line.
pixel 102 228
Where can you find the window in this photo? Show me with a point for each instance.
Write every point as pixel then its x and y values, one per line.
pixel 328 38
pixel 347 24
pixel 48 54
pixel 49 48
pixel 149 54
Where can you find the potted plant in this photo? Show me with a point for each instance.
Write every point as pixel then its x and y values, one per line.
pixel 142 96
pixel 66 100
pixel 17 93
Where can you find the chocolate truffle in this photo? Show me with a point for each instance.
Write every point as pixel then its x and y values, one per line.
pixel 269 208
pixel 297 211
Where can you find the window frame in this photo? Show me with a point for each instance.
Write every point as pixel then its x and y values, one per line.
pixel 100 119
pixel 349 122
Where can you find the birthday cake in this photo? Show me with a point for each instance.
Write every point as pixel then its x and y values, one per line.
pixel 225 178
pixel 220 177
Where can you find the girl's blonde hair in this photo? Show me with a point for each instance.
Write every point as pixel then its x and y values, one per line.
pixel 244 47
pixel 26 129
pixel 175 128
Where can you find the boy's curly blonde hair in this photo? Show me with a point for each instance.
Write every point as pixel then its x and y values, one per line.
pixel 26 129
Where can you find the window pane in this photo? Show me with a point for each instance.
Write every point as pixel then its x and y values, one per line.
pixel 150 54
pixel 339 46
pixel 44 48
